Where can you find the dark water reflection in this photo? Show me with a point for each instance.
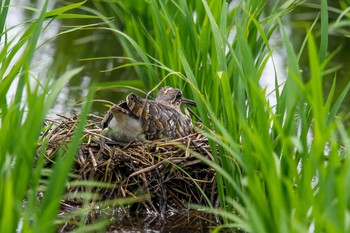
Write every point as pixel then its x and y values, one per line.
pixel 73 47
pixel 120 221
pixel 174 223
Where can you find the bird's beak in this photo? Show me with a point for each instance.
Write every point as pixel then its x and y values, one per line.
pixel 188 101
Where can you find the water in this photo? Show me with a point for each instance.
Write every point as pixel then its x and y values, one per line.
pixel 58 54
pixel 123 222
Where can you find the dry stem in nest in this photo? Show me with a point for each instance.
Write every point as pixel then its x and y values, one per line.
pixel 167 171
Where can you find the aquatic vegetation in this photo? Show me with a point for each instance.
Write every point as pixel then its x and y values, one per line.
pixel 22 116
pixel 277 163
pixel 283 167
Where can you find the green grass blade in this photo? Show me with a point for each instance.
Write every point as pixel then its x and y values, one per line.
pixel 3 15
pixel 57 183
pixel 61 10
pixel 324 31
pixel 338 102
pixel 54 89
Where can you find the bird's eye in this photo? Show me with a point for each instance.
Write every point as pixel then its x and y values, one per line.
pixel 179 96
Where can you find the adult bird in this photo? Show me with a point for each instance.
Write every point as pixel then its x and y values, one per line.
pixel 144 119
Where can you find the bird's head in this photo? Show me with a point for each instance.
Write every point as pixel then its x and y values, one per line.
pixel 172 97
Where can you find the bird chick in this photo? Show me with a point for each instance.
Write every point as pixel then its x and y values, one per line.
pixel 121 125
pixel 144 119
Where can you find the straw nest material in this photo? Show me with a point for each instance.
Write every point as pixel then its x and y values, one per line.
pixel 166 171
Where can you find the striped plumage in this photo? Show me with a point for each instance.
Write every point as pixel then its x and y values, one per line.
pixel 160 118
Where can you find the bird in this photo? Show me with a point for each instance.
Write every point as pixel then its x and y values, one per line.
pixel 145 119
pixel 162 117
pixel 120 125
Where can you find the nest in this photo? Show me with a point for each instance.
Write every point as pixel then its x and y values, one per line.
pixel 167 172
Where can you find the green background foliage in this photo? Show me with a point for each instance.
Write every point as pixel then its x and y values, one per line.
pixel 280 168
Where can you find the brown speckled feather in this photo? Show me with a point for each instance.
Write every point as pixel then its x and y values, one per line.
pixel 159 120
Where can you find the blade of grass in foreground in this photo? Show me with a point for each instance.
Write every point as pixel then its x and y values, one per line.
pixel 57 181
pixel 48 97
pixel 324 31
pixel 19 136
pixel 4 7
pixel 21 122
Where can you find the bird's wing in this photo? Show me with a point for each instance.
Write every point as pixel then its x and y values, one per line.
pixel 117 110
pixel 165 122
pixel 158 120
pixel 121 107
pixel 137 106
pixel 106 119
